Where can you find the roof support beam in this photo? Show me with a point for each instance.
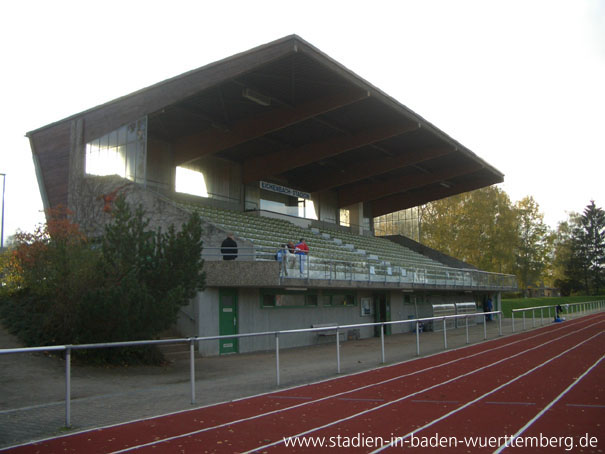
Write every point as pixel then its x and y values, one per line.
pixel 411 199
pixel 372 191
pixel 284 160
pixel 212 140
pixel 356 171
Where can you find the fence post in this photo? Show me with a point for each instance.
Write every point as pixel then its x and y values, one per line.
pixel 533 318
pixel 337 351
pixel 277 359
pixel 192 368
pixel 466 323
pixel 499 323
pixel 68 386
pixel 444 334
pixel 541 316
pixel 417 338
pixel 523 320
pixel 513 317
pixel 382 343
pixel 484 328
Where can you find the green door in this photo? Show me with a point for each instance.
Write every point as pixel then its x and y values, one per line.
pixel 227 320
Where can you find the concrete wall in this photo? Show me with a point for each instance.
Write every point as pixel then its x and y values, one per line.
pixel 328 210
pixel 254 318
pixel 160 167
pixel 93 211
pixel 207 323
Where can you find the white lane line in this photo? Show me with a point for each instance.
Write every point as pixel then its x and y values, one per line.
pixel 549 406
pixel 541 331
pixel 585 405
pixel 347 418
pixel 468 404
pixel 289 397
pixel 280 410
pixel 436 401
pixel 511 403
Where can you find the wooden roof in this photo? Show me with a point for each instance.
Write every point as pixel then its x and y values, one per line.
pixel 287 113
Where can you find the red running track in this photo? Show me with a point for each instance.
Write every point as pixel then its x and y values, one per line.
pixel 545 382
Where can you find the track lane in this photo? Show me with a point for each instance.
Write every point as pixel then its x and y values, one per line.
pixel 276 426
pixel 578 415
pixel 516 404
pixel 118 437
pixel 397 419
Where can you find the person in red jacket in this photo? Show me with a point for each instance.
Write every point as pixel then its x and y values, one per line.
pixel 302 250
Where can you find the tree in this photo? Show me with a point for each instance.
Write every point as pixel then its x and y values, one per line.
pixel 127 285
pixel 590 242
pixel 567 273
pixel 147 277
pixel 478 227
pixel 580 252
pixel 532 243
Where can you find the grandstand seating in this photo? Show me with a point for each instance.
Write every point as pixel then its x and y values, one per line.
pixel 334 254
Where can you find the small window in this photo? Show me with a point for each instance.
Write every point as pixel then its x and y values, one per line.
pixel 290 300
pixel 311 300
pixel 342 300
pixel 268 300
pixel 284 298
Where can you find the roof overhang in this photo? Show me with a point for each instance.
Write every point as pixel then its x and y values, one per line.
pixel 287 113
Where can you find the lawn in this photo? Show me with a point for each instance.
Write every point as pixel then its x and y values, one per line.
pixel 509 304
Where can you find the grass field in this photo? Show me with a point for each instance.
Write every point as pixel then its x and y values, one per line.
pixel 509 304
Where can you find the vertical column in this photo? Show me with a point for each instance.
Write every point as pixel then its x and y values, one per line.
pixel 68 387
pixel 337 351
pixel 192 368
pixel 277 359
pixel 382 343
pixel 417 338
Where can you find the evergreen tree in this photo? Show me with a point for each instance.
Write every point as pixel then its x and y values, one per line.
pixel 590 237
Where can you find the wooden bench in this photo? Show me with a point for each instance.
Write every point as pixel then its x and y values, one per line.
pixel 328 332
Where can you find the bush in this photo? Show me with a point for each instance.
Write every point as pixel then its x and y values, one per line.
pixel 60 288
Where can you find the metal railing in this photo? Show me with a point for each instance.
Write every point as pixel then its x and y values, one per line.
pixel 423 275
pixel 415 274
pixel 68 349
pixel 570 308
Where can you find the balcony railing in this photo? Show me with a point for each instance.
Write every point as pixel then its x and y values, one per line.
pixel 411 274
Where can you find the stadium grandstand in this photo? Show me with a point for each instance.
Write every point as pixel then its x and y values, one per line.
pixel 276 144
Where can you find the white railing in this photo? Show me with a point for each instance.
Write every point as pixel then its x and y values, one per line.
pixel 410 274
pixel 413 274
pixel 192 340
pixel 567 307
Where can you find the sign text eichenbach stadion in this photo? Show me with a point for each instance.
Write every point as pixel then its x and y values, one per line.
pixel 284 190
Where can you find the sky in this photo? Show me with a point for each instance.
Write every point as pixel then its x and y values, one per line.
pixel 521 83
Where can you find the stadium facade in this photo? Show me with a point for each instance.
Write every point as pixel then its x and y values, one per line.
pixel 276 144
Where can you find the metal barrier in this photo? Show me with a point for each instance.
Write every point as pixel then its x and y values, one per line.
pixel 584 308
pixel 415 274
pixel 192 340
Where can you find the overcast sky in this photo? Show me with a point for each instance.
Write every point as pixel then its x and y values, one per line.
pixel 520 83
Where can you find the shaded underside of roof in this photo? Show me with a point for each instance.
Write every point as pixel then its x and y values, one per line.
pixel 286 113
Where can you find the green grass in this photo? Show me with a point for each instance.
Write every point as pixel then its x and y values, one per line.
pixel 517 303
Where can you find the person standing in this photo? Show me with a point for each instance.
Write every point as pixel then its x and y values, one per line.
pixel 229 248
pixel 281 257
pixel 302 250
pixel 490 307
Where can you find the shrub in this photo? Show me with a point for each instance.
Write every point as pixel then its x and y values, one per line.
pixel 128 285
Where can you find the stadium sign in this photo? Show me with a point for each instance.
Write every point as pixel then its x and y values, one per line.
pixel 284 190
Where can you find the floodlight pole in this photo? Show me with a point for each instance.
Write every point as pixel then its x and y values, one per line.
pixel 2 229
